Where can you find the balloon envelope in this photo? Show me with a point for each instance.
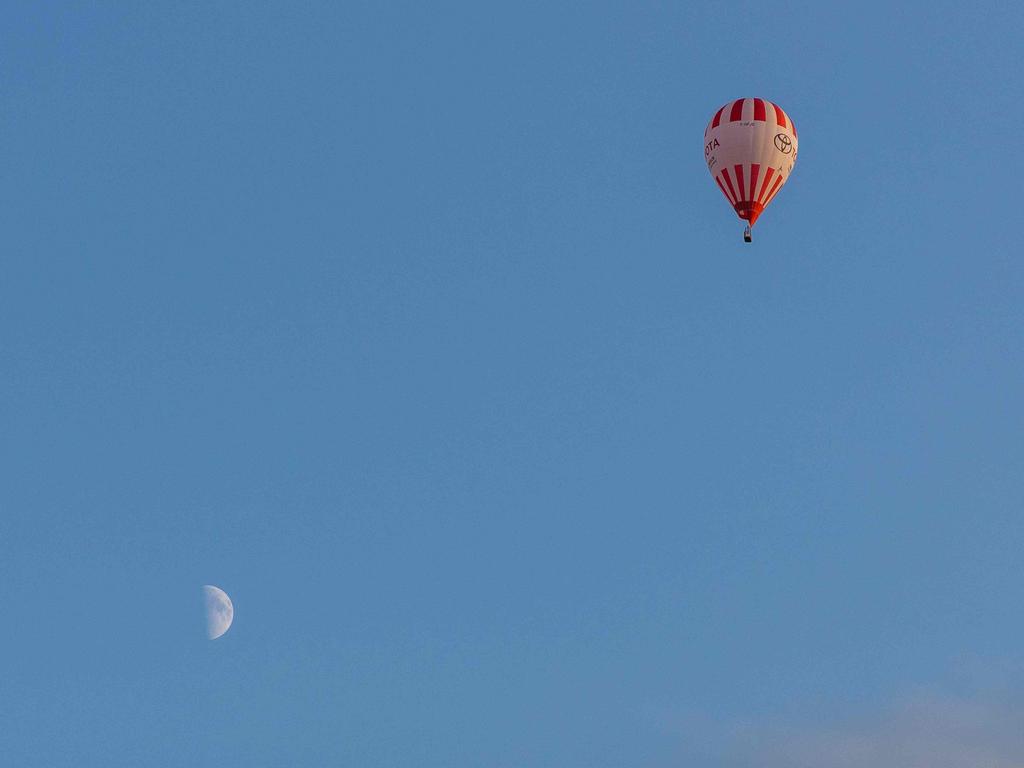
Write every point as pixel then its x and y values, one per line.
pixel 750 148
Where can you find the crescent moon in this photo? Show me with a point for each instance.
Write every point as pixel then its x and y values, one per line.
pixel 219 611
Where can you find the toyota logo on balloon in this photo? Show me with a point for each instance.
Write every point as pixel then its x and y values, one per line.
pixel 783 143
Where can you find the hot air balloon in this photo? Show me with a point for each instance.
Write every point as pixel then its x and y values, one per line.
pixel 750 148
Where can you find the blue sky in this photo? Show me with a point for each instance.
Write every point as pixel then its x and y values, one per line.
pixel 425 334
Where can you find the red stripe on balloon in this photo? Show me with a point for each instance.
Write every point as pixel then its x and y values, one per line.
pixel 780 116
pixel 767 178
pixel 775 188
pixel 718 117
pixel 728 182
pixel 739 181
pixel 789 122
pixel 759 111
pixel 737 110
pixel 755 169
pixel 722 187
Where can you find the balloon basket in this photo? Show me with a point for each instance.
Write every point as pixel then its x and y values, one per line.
pixel 747 237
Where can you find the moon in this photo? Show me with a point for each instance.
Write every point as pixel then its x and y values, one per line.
pixel 219 611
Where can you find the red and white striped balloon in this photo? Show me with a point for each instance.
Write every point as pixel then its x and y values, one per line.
pixel 750 147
